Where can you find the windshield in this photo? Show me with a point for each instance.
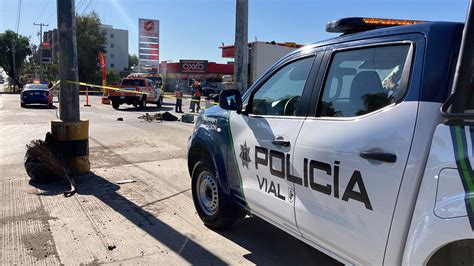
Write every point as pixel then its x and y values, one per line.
pixel 36 87
pixel 157 80
pixel 133 82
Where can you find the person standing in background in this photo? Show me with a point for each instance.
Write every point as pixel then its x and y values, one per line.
pixel 196 97
pixel 179 100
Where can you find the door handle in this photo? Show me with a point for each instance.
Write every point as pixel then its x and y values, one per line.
pixel 281 141
pixel 379 156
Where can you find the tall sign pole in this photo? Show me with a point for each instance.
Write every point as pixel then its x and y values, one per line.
pixel 71 133
pixel 241 60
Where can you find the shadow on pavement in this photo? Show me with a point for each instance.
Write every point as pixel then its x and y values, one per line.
pixel 268 245
pixel 105 191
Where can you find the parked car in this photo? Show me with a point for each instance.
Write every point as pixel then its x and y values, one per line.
pixel 36 94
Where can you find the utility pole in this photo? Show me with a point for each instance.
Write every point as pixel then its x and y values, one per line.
pixel 14 62
pixel 68 69
pixel 70 131
pixel 241 50
pixel 41 48
pixel 465 64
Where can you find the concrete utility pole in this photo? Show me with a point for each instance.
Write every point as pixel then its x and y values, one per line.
pixel 465 64
pixel 41 48
pixel 14 62
pixel 71 133
pixel 241 49
pixel 68 69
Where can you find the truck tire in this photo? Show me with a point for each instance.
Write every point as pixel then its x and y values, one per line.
pixel 115 105
pixel 142 104
pixel 208 198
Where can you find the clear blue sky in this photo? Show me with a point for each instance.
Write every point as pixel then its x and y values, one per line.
pixel 194 29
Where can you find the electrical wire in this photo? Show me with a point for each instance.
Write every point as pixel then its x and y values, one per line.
pixel 81 2
pixel 18 17
pixel 42 12
pixel 88 4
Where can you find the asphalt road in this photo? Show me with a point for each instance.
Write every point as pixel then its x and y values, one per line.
pixel 149 221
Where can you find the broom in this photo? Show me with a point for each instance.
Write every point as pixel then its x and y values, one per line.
pixel 44 164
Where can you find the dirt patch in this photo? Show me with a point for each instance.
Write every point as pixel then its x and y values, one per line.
pixel 36 215
pixel 39 244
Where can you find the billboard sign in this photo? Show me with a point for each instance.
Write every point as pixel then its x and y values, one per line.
pixel 193 66
pixel 149 45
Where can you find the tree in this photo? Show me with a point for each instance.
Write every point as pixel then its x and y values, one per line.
pixel 112 77
pixel 132 61
pixel 22 50
pixel 50 70
pixel 90 41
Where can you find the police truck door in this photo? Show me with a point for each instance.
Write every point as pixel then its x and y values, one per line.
pixel 264 138
pixel 352 154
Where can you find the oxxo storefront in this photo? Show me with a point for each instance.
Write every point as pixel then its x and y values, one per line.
pixel 186 71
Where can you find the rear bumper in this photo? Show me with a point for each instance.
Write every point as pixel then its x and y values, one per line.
pixel 125 99
pixel 30 100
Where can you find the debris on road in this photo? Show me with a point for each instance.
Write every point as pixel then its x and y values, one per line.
pixel 166 116
pixel 187 118
pixel 126 181
pixel 120 119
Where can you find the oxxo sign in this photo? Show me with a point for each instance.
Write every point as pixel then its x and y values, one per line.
pixel 193 66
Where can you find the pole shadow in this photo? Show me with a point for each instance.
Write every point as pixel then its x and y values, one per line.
pixel 105 191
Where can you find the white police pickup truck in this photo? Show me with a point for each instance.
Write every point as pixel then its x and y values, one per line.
pixel 354 145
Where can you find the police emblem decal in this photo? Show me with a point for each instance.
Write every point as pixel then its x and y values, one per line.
pixel 291 195
pixel 245 155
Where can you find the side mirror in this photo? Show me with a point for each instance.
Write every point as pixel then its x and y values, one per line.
pixel 231 100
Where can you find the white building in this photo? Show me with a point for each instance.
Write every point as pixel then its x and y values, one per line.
pixel 116 45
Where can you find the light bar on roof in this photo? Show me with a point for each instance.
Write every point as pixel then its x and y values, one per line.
pixel 358 24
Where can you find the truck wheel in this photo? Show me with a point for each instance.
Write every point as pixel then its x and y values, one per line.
pixel 115 105
pixel 208 198
pixel 142 104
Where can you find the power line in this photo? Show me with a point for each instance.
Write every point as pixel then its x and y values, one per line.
pixel 18 16
pixel 88 4
pixel 44 9
pixel 51 15
pixel 81 2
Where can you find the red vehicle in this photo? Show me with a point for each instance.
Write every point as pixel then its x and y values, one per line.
pixel 36 93
pixel 137 91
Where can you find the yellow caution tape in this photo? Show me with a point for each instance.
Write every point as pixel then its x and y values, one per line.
pixel 118 89
pixel 102 87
